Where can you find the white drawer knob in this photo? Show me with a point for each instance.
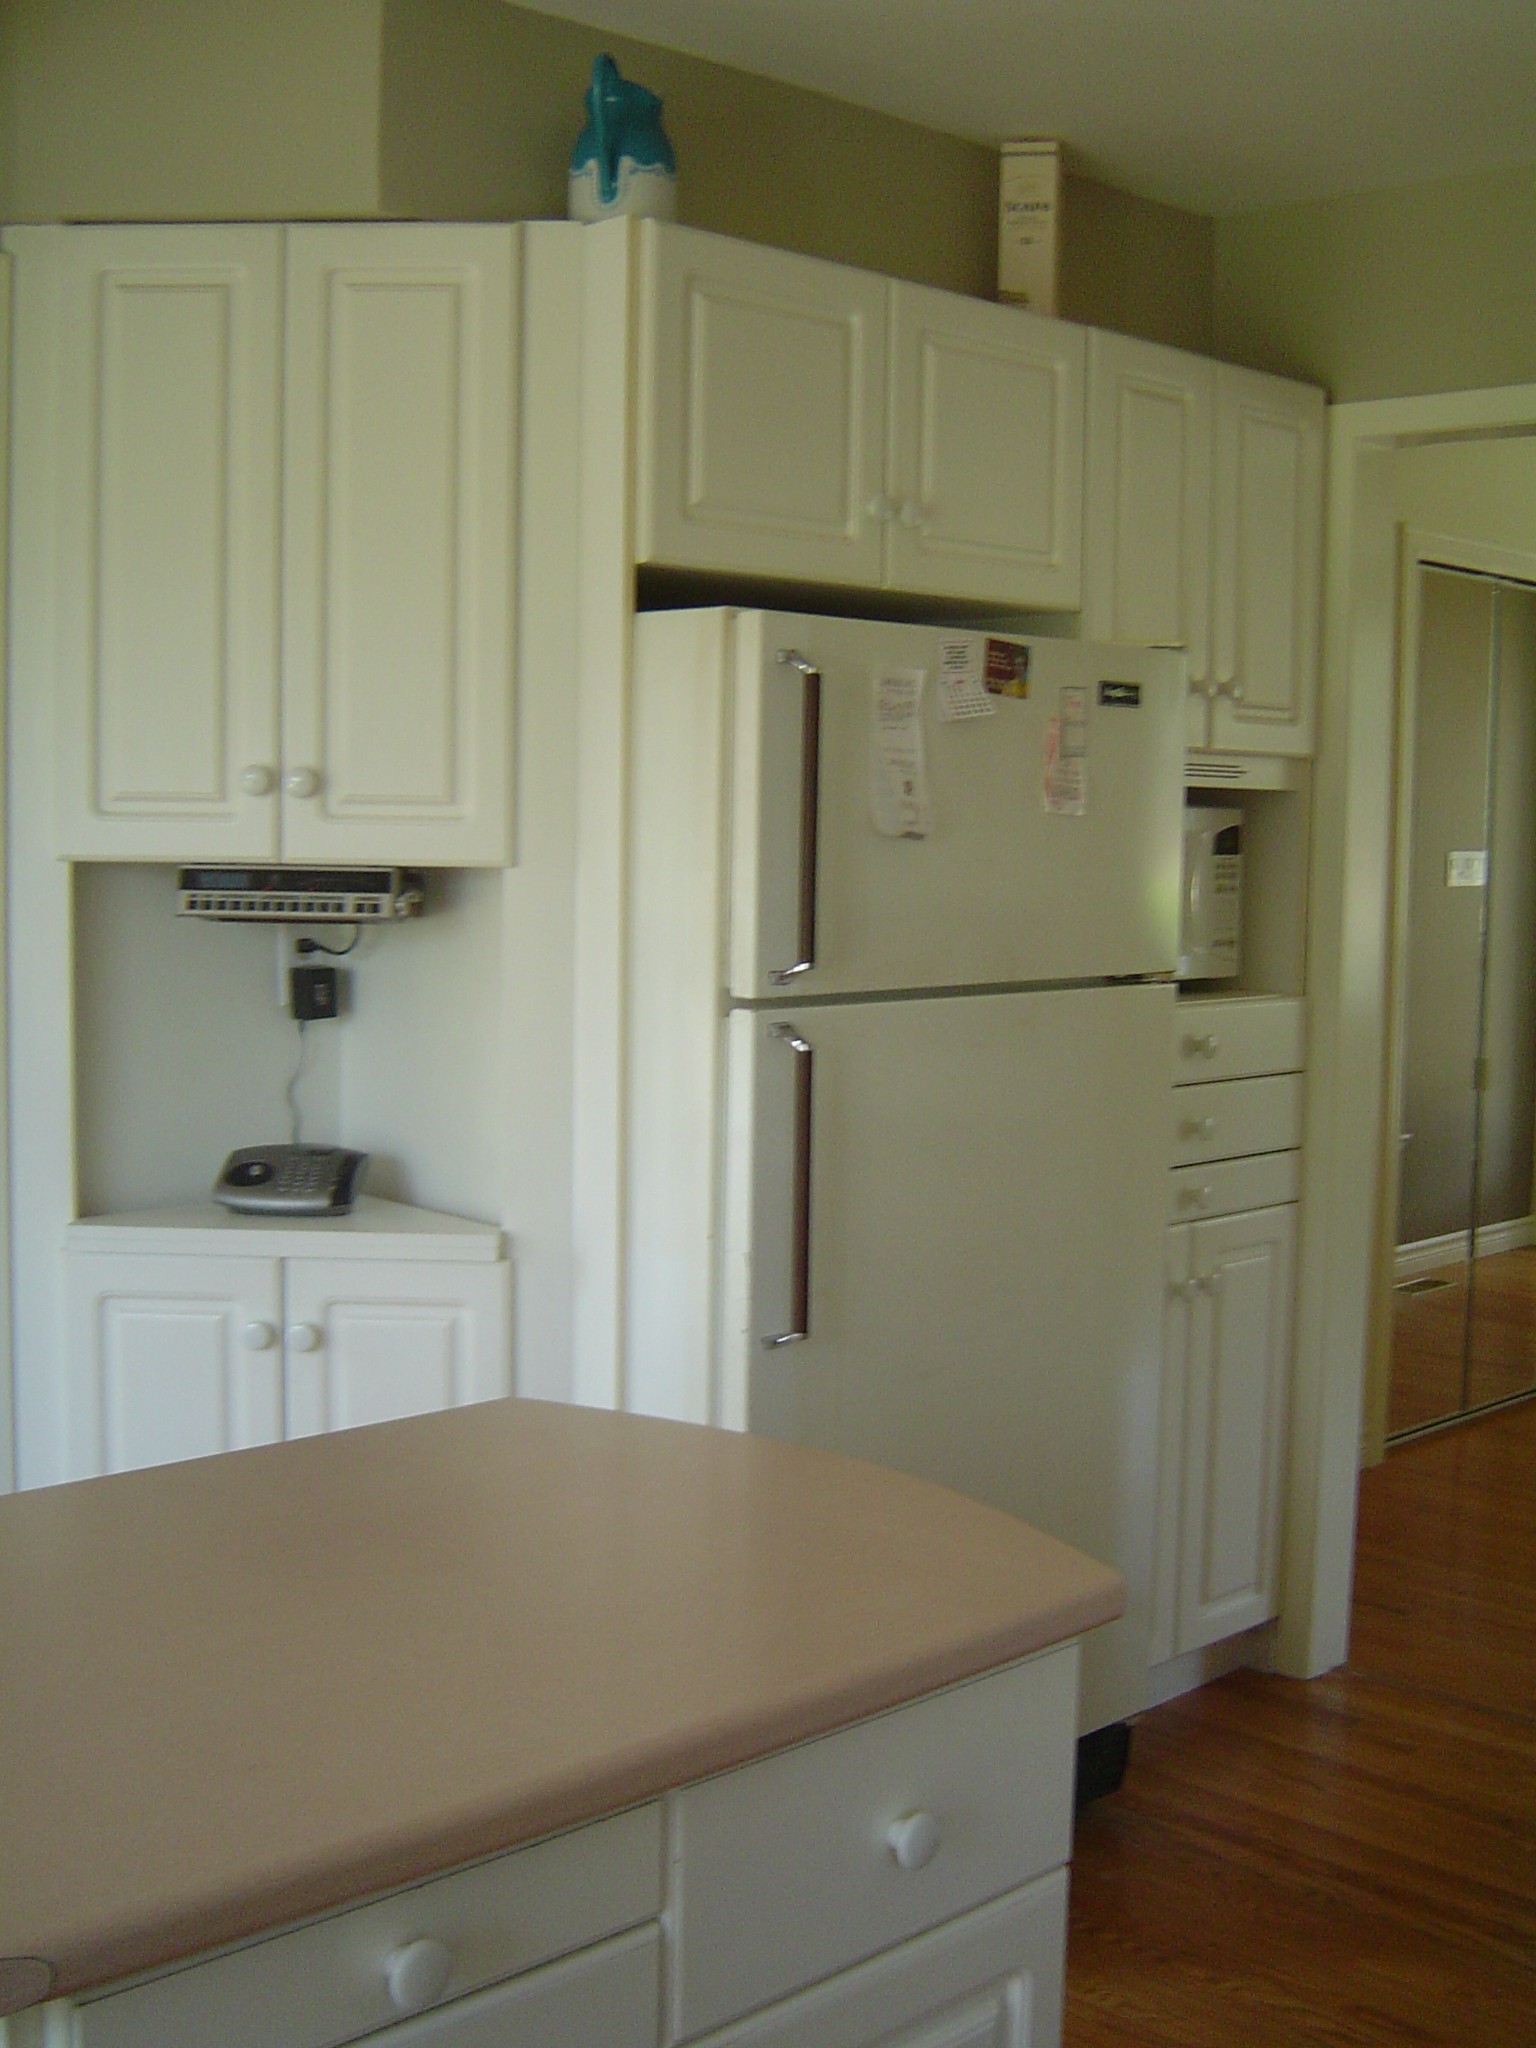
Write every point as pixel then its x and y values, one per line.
pixel 1199 1126
pixel 303 1337
pixel 301 782
pixel 1184 1290
pixel 881 509
pixel 913 515
pixel 1196 1197
pixel 258 1336
pixel 257 780
pixel 1202 1045
pixel 416 1974
pixel 913 1840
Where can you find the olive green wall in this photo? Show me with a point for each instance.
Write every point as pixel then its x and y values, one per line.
pixel 186 110
pixel 1387 294
pixel 195 109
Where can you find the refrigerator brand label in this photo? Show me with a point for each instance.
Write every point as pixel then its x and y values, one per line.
pixel 1006 668
pixel 1119 693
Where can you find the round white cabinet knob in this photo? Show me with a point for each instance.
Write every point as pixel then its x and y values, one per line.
pixel 301 782
pixel 912 515
pixel 913 1840
pixel 881 508
pixel 416 1974
pixel 1199 1126
pixel 258 1336
pixel 257 780
pixel 1202 1045
pixel 303 1337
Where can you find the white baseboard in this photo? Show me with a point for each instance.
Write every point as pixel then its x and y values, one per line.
pixel 1431 1252
pixel 1252 1650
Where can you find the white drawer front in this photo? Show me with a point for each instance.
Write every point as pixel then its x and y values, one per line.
pixel 1225 1119
pixel 327 1981
pixel 1225 1186
pixel 992 1978
pixel 1221 1040
pixel 787 1874
pixel 609 1995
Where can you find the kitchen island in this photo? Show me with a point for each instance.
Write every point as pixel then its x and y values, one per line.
pixel 716 1738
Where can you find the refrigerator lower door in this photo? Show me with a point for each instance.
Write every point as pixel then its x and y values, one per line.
pixel 942 1251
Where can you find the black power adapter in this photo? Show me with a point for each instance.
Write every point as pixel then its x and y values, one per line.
pixel 314 993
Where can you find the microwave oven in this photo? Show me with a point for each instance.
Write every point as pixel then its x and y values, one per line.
pixel 1211 905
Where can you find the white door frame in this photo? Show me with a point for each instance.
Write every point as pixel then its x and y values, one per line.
pixel 1348 978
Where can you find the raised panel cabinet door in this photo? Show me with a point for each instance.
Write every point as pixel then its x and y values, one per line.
pixel 1268 562
pixel 165 430
pixel 990 1979
pixel 369 1340
pixel 399 543
pixel 1242 1268
pixel 1177 1316
pixel 1147 517
pixel 169 1357
pixel 761 410
pixel 985 454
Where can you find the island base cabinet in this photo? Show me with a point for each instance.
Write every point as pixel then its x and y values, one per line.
pixel 991 1979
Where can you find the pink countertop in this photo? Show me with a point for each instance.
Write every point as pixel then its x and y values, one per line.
pixel 241 1690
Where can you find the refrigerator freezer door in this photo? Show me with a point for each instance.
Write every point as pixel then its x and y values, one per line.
pixel 985 1259
pixel 877 844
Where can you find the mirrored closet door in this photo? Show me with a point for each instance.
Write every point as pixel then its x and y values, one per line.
pixel 1464 1334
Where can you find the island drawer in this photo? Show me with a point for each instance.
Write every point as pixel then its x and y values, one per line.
pixel 790 1869
pixel 1223 1039
pixel 1226 1119
pixel 328 1980
pixel 1223 1187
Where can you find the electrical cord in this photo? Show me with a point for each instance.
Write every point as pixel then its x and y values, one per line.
pixel 293 1082
pixel 335 952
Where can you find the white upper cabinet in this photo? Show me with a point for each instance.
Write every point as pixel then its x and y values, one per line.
pixel 159 356
pixel 1203 530
pixel 762 410
pixel 398 543
pixel 1268 562
pixel 284 539
pixel 985 454
pixel 804 420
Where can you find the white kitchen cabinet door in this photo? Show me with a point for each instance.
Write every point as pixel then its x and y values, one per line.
pixel 990 1979
pixel 1241 1272
pixel 158 351
pixel 1267 561
pixel 985 454
pixel 368 1340
pixel 1147 545
pixel 1178 1307
pixel 399 543
pixel 169 1357
pixel 761 410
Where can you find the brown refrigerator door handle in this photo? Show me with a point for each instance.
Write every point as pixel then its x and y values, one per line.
pixel 800 1220
pixel 810 797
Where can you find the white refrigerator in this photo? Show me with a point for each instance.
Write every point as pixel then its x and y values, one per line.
pixel 902 914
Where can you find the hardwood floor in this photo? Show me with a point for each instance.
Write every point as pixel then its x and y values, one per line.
pixel 1427 1339
pixel 1350 1861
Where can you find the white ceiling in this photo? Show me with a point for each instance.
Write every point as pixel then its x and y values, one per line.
pixel 1215 105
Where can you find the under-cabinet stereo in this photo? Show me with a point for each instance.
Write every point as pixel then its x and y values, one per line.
pixel 298 895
